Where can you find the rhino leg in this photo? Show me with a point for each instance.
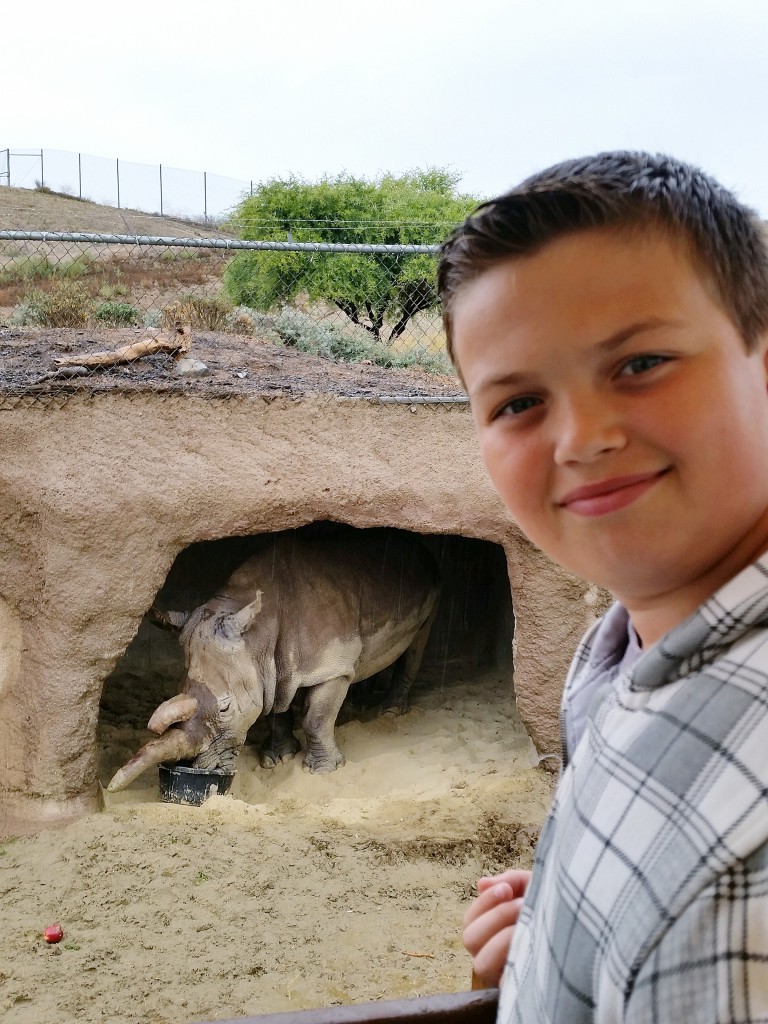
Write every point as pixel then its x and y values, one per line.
pixel 406 669
pixel 396 700
pixel 323 704
pixel 281 745
pixel 369 693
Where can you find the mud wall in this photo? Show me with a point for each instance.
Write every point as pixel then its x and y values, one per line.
pixel 100 493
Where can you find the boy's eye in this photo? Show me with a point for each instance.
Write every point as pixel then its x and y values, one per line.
pixel 519 405
pixel 641 364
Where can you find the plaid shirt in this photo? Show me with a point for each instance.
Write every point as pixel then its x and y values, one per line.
pixel 649 897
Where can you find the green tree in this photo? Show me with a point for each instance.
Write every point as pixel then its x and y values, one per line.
pixel 377 291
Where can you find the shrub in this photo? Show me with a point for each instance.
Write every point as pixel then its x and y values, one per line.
pixel 152 318
pixel 205 314
pixel 27 268
pixel 248 321
pixel 74 268
pixel 301 332
pixel 110 292
pixel 117 314
pixel 240 321
pixel 67 304
pixel 41 268
pixel 432 362
pixel 22 316
pixel 178 254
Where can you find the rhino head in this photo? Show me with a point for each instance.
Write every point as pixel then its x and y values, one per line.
pixel 221 698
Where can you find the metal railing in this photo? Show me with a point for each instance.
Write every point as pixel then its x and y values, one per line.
pixel 212 243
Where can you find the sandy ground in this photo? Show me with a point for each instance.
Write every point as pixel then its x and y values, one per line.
pixel 293 891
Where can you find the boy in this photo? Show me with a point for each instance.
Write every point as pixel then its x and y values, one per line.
pixel 609 320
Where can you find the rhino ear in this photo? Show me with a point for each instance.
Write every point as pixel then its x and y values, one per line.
pixel 244 618
pixel 230 628
pixel 167 620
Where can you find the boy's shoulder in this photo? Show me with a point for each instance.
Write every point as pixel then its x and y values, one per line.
pixel 728 624
pixel 658 828
pixel 676 750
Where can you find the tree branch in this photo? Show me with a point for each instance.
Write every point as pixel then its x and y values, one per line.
pixel 399 327
pixel 414 297
pixel 351 311
pixel 377 318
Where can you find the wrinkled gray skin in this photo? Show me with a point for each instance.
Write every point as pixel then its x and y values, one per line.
pixel 313 614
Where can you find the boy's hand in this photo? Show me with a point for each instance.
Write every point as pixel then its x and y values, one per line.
pixel 490 921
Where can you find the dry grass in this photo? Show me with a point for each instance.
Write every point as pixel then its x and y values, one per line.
pixel 148 278
pixel 143 276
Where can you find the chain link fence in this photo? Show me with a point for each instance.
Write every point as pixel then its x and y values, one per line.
pixel 124 184
pixel 92 310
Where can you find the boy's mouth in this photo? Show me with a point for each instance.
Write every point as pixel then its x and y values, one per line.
pixel 609 495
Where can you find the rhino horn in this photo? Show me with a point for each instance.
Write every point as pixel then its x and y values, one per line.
pixel 167 620
pixel 174 745
pixel 178 709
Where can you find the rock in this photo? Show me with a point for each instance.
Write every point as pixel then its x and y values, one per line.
pixel 190 368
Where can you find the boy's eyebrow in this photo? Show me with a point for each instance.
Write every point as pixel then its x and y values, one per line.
pixel 618 339
pixel 608 344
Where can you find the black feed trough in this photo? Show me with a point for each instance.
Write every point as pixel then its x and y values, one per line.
pixel 182 784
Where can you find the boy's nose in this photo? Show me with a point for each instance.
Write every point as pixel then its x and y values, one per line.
pixel 586 428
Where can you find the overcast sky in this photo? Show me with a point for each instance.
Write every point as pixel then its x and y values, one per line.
pixel 254 89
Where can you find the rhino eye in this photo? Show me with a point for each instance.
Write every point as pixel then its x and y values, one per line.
pixel 224 703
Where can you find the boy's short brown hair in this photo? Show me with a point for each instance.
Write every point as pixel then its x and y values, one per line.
pixel 725 240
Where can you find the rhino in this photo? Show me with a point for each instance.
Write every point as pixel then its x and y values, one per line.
pixel 310 614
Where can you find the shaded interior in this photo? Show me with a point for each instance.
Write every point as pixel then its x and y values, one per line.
pixel 470 638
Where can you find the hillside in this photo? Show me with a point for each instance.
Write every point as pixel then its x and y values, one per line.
pixel 23 209
pixel 149 279
pixel 58 284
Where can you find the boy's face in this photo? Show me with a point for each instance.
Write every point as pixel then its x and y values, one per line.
pixel 620 417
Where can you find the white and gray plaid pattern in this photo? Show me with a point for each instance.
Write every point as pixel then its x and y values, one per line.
pixel 649 898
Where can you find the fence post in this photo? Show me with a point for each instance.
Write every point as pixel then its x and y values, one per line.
pixel 161 189
pixel 80 175
pixel 42 171
pixel 205 197
pixel 117 169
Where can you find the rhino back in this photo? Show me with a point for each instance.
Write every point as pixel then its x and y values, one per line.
pixel 346 604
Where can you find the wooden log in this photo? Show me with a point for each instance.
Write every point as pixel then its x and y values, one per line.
pixel 177 344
